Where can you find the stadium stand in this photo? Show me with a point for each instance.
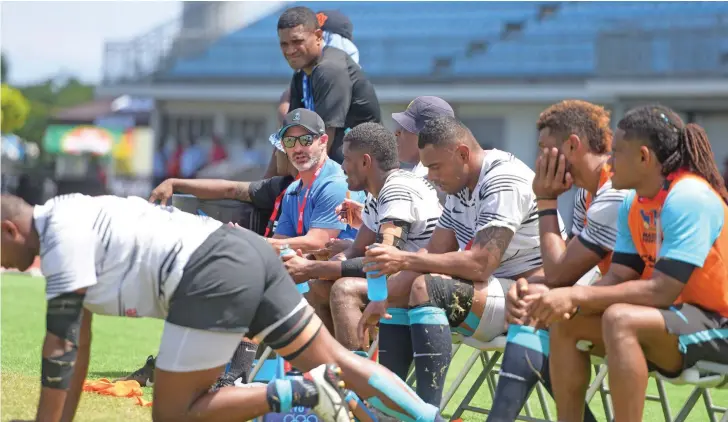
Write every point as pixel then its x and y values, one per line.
pixel 463 40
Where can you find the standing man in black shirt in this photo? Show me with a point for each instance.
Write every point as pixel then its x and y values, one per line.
pixel 326 80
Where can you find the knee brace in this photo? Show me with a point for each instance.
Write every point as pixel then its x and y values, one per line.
pixel 63 319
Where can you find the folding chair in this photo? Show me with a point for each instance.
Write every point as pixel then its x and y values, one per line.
pixel 483 350
pixel 703 376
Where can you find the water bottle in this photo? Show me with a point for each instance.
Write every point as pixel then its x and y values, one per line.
pixel 376 286
pixel 286 251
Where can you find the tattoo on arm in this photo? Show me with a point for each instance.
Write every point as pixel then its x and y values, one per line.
pixel 494 241
pixel 242 191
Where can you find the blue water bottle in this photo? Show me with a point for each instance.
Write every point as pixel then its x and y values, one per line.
pixel 286 251
pixel 376 286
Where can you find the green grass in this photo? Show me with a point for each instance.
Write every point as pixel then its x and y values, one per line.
pixel 121 345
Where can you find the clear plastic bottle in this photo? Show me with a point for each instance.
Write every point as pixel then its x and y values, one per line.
pixel 302 287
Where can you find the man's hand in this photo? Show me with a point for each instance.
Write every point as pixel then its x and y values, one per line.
pixel 297 267
pixel 516 309
pixel 384 260
pixel 349 212
pixel 374 312
pixel 163 192
pixel 552 179
pixel 550 307
pixel 336 246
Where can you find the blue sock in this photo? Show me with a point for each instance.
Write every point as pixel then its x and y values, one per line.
pixel 285 394
pixel 395 342
pixel 432 346
pixel 525 363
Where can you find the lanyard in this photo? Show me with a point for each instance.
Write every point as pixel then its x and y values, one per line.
pixel 274 214
pixel 299 230
pixel 307 97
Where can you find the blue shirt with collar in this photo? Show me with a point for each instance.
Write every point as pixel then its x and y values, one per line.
pixel 327 192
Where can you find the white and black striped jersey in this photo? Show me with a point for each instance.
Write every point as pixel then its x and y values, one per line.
pixel 409 198
pixel 503 197
pixel 128 254
pixel 596 223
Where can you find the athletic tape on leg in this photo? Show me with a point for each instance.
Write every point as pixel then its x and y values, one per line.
pixel 397 391
pixel 360 404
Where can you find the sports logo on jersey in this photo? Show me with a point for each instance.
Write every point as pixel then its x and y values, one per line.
pixel 649 218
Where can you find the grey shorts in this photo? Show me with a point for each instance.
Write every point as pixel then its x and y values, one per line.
pixel 234 282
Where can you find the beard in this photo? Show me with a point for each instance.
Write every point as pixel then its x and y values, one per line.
pixel 304 165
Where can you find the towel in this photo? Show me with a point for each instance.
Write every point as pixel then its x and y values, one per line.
pixel 130 389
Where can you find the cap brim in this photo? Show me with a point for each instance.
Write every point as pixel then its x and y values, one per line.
pixel 406 121
pixel 285 128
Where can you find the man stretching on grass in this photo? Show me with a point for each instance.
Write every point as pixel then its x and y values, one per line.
pixel 664 302
pixel 211 283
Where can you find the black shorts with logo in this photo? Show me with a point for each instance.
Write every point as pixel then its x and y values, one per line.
pixel 703 335
pixel 235 282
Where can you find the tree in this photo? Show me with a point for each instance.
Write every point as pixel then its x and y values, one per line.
pixel 3 67
pixel 47 97
pixel 15 109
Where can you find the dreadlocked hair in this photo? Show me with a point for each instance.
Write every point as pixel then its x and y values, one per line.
pixel 675 144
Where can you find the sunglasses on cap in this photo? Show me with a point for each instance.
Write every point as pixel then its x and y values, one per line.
pixel 305 140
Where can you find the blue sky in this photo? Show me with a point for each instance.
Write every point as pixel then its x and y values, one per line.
pixel 42 39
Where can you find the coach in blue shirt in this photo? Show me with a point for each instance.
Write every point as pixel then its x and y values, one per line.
pixel 308 218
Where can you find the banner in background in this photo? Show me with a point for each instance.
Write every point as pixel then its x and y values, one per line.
pixel 81 139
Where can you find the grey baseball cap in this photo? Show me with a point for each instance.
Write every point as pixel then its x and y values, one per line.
pixel 420 111
pixel 304 118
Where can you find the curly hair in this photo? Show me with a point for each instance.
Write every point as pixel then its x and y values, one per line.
pixel 675 144
pixel 586 120
pixel 377 141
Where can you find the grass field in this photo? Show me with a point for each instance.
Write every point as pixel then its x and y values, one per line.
pixel 120 345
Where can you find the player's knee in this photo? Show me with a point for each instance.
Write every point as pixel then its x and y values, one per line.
pixel 165 414
pixel 560 332
pixel 617 320
pixel 418 294
pixel 346 290
pixel 319 293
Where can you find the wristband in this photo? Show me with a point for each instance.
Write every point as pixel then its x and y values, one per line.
pixel 550 211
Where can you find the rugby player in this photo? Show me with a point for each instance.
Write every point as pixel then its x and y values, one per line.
pixel 211 283
pixel 400 210
pixel 490 214
pixel 575 139
pixel 663 305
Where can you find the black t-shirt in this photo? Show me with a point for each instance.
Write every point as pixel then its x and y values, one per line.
pixel 342 95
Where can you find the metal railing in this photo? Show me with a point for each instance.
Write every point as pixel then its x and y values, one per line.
pixel 625 50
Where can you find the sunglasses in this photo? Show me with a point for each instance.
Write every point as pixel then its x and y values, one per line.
pixel 304 140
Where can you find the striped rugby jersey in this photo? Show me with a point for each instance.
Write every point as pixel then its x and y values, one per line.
pixel 503 197
pixel 409 198
pixel 597 223
pixel 128 253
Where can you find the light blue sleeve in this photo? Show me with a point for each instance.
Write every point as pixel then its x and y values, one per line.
pixel 625 243
pixel 329 196
pixel 285 221
pixel 691 219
